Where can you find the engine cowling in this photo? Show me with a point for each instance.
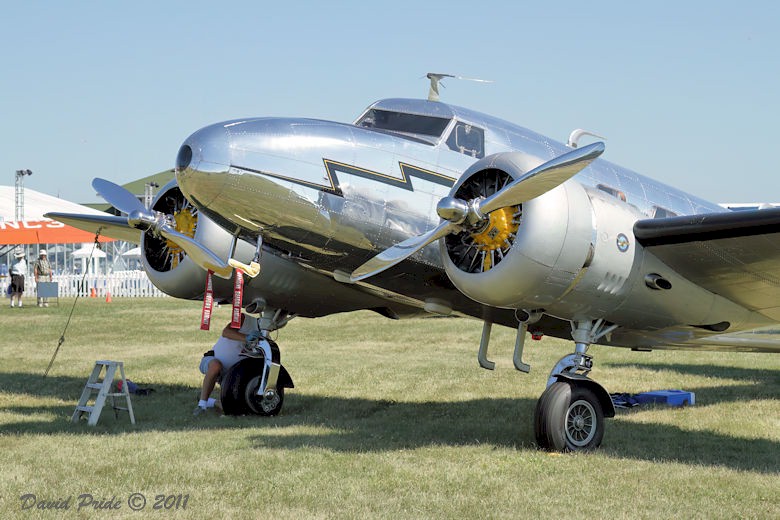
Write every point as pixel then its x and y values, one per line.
pixel 525 256
pixel 168 266
pixel 282 284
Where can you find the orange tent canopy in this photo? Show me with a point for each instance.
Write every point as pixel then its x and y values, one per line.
pixel 44 232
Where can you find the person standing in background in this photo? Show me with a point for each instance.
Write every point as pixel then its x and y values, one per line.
pixel 18 272
pixel 42 271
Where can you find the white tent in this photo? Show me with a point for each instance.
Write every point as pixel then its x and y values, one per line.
pixel 132 259
pixel 84 254
pixel 88 250
pixel 36 204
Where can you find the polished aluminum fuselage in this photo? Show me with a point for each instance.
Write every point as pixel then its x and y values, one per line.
pixel 329 195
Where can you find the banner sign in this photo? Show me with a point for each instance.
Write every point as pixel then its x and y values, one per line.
pixel 44 232
pixel 238 298
pixel 208 303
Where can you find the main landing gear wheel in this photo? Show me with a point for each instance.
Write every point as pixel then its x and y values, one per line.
pixel 239 390
pixel 568 417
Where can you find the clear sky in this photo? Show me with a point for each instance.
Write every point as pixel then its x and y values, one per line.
pixel 685 92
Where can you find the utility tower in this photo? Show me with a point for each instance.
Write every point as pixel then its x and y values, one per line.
pixel 20 175
pixel 149 188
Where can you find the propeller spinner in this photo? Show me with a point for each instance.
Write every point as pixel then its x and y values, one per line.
pixel 139 217
pixel 457 214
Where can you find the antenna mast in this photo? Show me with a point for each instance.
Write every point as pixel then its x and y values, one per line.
pixel 436 77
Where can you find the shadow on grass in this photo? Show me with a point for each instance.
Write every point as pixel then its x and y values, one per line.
pixel 358 425
pixel 721 371
pixel 759 383
pixel 355 425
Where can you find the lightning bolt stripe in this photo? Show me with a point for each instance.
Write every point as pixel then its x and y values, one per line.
pixel 408 171
pixel 405 182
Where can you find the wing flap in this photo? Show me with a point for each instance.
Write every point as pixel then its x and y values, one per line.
pixel 733 254
pixel 108 225
pixel 759 340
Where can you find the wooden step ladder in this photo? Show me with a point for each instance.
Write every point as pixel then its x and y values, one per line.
pixel 103 388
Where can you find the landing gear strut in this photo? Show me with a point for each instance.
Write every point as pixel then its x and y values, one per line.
pixel 570 414
pixel 255 385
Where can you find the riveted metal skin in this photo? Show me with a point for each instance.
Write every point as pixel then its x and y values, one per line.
pixel 329 196
pixel 284 284
pixel 326 197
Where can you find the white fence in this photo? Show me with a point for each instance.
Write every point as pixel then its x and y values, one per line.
pixel 130 284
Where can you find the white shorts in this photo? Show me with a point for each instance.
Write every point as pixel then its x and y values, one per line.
pixel 204 363
pixel 227 351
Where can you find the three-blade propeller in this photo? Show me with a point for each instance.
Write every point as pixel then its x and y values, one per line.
pixel 458 214
pixel 141 218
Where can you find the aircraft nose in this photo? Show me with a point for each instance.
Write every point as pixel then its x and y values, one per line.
pixel 201 162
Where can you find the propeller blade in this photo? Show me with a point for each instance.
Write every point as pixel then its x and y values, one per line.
pixel 118 197
pixel 543 178
pixel 107 225
pixel 199 254
pixel 141 218
pixel 399 252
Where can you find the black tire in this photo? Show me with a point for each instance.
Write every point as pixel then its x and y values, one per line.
pixel 239 386
pixel 568 418
pixel 539 428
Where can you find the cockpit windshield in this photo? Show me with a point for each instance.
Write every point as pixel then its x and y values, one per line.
pixel 409 124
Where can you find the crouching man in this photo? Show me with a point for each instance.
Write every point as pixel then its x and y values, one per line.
pixel 225 354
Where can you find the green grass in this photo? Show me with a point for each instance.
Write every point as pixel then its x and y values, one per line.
pixel 388 419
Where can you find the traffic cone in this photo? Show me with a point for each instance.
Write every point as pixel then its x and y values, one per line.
pixel 108 296
pixel 92 293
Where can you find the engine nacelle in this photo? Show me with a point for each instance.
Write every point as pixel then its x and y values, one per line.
pixel 527 256
pixel 282 284
pixel 168 266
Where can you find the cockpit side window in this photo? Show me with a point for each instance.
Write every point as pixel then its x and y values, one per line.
pixel 612 191
pixel 659 212
pixel 467 139
pixel 405 123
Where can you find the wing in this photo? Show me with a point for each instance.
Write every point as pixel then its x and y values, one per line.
pixel 108 225
pixel 735 254
pixel 759 340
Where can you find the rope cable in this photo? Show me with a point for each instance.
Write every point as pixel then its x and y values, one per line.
pixel 73 307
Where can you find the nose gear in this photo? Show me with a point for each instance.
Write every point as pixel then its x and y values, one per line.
pixel 256 383
pixel 570 414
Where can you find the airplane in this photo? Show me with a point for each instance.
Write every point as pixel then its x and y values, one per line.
pixel 421 207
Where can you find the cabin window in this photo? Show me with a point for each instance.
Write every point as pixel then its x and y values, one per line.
pixel 405 123
pixel 467 139
pixel 612 191
pixel 659 212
